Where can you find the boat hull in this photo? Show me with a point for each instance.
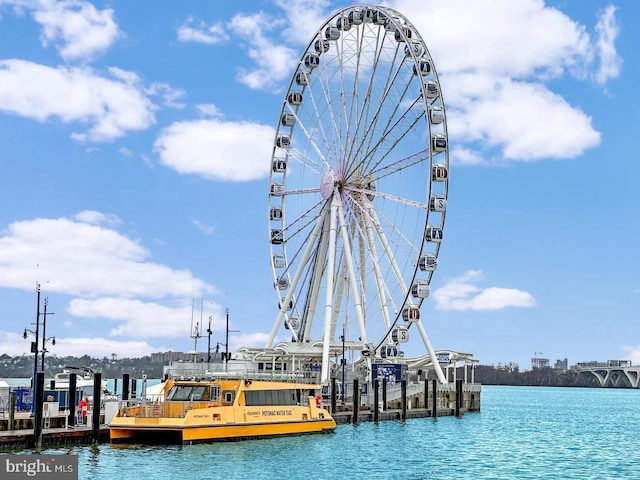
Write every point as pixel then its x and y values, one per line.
pixel 165 432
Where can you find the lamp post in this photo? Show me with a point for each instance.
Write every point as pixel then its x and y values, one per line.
pixel 44 334
pixel 209 333
pixel 34 345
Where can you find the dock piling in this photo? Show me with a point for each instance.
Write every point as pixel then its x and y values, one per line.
pixel 376 395
pixel 384 394
pixel 356 400
pixel 38 402
pixel 125 387
pixel 434 399
pixel 458 397
pixel 12 409
pixel 72 399
pixel 403 399
pixel 97 400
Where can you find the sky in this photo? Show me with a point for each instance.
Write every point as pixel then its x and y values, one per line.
pixel 135 145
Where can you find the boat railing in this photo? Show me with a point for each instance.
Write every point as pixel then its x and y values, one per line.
pixel 185 372
pixel 142 408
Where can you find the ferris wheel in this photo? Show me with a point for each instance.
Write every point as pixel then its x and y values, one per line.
pixel 358 188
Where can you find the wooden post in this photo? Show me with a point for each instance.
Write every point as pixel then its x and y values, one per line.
pixel 384 394
pixel 125 386
pixel 458 397
pixel 97 400
pixel 426 394
pixel 403 396
pixel 434 399
pixel 12 409
pixel 38 403
pixel 376 394
pixel 333 395
pixel 356 400
pixel 71 401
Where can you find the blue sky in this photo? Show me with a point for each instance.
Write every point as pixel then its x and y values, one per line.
pixel 136 144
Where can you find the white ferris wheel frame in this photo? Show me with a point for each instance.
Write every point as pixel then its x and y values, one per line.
pixel 318 263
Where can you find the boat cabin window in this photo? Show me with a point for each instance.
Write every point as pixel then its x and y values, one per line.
pixel 254 398
pixel 228 396
pixel 188 393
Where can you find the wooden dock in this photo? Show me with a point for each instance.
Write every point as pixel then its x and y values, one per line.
pixel 423 400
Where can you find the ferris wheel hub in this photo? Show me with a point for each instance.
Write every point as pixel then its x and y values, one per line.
pixel 326 185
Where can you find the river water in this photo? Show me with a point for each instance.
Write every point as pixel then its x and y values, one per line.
pixel 521 433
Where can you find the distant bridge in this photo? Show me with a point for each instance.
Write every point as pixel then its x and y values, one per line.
pixel 614 373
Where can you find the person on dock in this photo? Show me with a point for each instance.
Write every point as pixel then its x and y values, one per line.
pixel 83 405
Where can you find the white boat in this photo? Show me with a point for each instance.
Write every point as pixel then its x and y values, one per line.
pixel 84 381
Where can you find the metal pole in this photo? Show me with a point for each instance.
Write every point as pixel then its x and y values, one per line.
pixel 44 331
pixel 209 332
pixel 343 364
pixel 226 343
pixel 35 361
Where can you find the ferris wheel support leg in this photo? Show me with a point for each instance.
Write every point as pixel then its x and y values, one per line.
pixel 329 296
pixel 388 252
pixel 352 276
pixel 305 258
pixel 384 306
pixel 315 288
pixel 432 354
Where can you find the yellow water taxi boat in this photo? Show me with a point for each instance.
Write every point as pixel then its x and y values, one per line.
pixel 192 411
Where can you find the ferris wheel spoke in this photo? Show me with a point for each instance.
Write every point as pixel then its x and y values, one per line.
pixel 304 161
pixel 366 103
pixel 314 116
pixel 372 125
pixel 400 165
pixel 389 132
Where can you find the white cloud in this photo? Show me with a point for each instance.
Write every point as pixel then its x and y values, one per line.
pixel 84 260
pixel 304 18
pixel 135 318
pixel 170 96
pixel 97 218
pixel 526 120
pixel 529 39
pixel 462 294
pixel 248 340
pixel 195 30
pixel 632 353
pixel 97 347
pixel 204 228
pixel 112 107
pixel 275 62
pixel 608 30
pixel 76 27
pixel 465 156
pixel 495 78
pixel 209 110
pixel 218 150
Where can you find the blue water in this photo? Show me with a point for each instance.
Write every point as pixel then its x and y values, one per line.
pixel 521 433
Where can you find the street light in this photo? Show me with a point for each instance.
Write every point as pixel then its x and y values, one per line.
pixel 36 333
pixel 209 333
pixel 45 339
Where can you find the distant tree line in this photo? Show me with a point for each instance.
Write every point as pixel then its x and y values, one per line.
pixel 22 366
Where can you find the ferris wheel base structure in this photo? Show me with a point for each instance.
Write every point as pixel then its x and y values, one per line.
pixel 357 198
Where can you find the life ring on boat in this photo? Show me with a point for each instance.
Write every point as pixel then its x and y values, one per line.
pixel 318 400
